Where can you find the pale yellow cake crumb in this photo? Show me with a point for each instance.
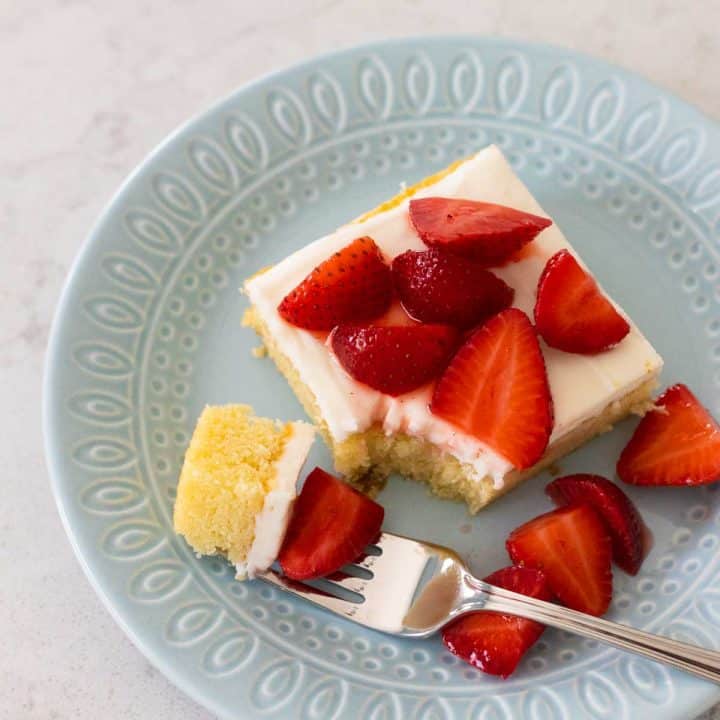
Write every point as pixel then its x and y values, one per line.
pixel 227 472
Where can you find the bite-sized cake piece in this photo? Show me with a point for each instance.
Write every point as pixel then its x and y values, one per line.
pixel 237 485
pixel 401 333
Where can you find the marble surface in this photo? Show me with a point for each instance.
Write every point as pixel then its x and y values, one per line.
pixel 89 87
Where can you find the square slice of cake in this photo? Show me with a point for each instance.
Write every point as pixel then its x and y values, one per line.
pixel 237 485
pixel 379 421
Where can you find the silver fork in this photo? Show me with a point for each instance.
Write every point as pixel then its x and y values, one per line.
pixel 410 588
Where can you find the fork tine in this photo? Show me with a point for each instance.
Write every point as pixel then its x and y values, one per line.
pixel 370 558
pixel 395 566
pixel 314 595
pixel 349 582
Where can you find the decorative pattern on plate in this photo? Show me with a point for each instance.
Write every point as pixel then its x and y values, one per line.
pixel 149 331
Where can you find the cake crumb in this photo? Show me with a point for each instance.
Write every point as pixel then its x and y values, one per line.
pixel 465 528
pixel 259 352
pixel 554 469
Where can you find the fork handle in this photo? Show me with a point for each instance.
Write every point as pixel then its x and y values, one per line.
pixel 691 658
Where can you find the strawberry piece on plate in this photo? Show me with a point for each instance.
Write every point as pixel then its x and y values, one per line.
pixel 353 285
pixel 439 287
pixel 622 519
pixel 489 233
pixel 496 389
pixel 493 642
pixel 572 547
pixel 676 443
pixel 331 526
pixel 394 359
pixel 571 312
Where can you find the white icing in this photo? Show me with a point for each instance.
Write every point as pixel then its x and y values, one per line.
pixel 581 386
pixel 272 521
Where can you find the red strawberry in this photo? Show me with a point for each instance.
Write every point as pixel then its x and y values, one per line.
pixel 394 359
pixel 437 286
pixel 571 312
pixel 622 519
pixel 496 389
pixel 353 285
pixel 572 547
pixel 330 527
pixel 491 641
pixel 677 443
pixel 489 233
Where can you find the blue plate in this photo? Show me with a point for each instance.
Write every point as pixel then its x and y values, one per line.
pixel 148 331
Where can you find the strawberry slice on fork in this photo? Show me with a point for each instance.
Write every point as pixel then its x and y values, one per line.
pixel 331 525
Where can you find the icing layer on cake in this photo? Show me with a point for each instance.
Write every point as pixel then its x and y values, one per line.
pixel 272 521
pixel 581 386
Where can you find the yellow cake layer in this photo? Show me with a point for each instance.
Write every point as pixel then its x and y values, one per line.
pixel 229 469
pixel 368 458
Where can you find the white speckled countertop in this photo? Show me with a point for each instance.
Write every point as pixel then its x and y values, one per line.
pixel 89 87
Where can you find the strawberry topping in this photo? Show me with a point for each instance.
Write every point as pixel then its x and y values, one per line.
pixel 331 526
pixel 353 285
pixel 571 312
pixel 572 548
pixel 437 286
pixel 496 389
pixel 394 359
pixel 489 233
pixel 493 642
pixel 676 443
pixel 621 517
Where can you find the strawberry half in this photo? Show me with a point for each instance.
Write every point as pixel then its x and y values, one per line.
pixel 439 287
pixel 496 389
pixel 676 443
pixel 571 546
pixel 493 642
pixel 353 285
pixel 394 359
pixel 489 233
pixel 571 312
pixel 622 519
pixel 331 526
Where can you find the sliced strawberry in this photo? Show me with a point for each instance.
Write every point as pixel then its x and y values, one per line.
pixel 437 286
pixel 489 233
pixel 572 547
pixel 494 642
pixel 330 527
pixel 676 443
pixel 394 359
pixel 353 285
pixel 571 312
pixel 496 389
pixel 622 519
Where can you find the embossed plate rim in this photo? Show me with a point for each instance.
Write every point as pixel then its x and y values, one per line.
pixel 51 402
